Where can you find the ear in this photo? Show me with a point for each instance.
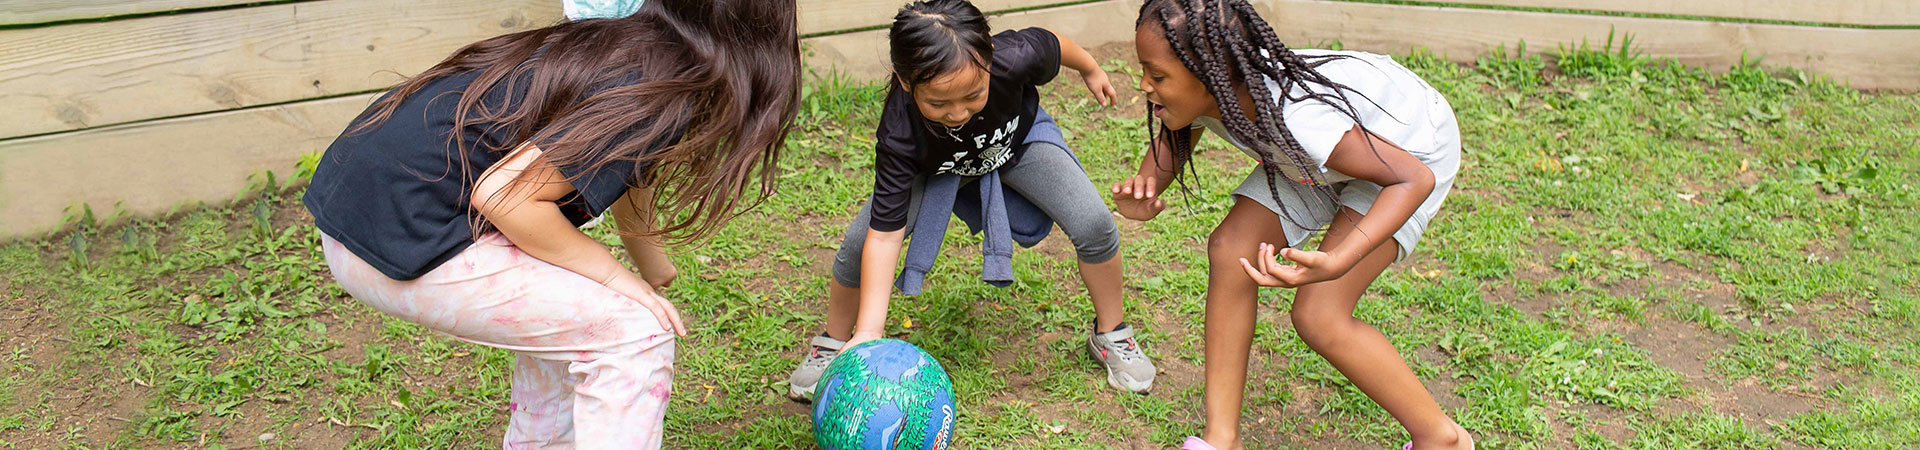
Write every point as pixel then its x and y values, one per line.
pixel 902 83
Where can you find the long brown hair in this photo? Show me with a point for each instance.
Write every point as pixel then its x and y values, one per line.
pixel 718 81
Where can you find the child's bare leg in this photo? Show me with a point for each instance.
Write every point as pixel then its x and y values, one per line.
pixel 1230 314
pixel 843 306
pixel 1323 317
pixel 1103 285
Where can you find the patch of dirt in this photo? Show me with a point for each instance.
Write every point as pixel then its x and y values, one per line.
pixel 1534 270
pixel 90 398
pixel 1688 349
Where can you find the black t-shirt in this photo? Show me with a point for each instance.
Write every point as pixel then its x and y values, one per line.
pixel 397 198
pixel 909 146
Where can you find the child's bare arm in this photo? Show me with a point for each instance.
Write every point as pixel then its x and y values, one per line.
pixel 648 254
pixel 1405 183
pixel 877 258
pixel 1072 56
pixel 520 195
pixel 1138 197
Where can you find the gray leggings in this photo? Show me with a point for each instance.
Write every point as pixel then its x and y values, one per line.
pixel 1045 175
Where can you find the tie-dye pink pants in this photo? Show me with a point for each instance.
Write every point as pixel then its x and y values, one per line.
pixel 594 368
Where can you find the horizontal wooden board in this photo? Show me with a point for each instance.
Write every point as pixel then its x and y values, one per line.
pixel 826 16
pixel 93 74
pixel 149 168
pixel 1868 59
pixel 1849 12
pixel 863 55
pixel 117 165
pixel 21 12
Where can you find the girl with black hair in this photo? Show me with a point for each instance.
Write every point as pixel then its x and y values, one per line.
pixel 453 202
pixel 961 123
pixel 1349 142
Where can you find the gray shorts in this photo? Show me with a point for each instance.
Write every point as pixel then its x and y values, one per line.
pixel 1360 194
pixel 1047 176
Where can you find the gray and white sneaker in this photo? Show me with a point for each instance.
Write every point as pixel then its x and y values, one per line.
pixel 1128 368
pixel 820 353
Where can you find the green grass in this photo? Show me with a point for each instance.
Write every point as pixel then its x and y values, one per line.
pixel 1637 255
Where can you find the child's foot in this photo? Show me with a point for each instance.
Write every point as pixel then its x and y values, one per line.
pixel 1460 440
pixel 1128 368
pixel 1195 443
pixel 801 383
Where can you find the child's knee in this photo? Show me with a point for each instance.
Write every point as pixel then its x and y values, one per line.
pixel 1321 328
pixel 846 269
pixel 648 344
pixel 1097 243
pixel 1227 246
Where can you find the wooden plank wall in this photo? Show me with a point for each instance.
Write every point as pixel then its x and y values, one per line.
pixel 149 112
pixel 1870 13
pixel 27 12
pixel 85 75
pixel 170 102
pixel 1881 59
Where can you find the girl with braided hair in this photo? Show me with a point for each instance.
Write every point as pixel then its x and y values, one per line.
pixel 1352 143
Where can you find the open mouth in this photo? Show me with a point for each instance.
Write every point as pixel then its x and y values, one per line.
pixel 1156 108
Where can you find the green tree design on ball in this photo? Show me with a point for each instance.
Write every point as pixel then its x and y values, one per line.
pixel 884 394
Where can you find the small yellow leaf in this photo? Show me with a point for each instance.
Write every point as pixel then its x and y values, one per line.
pixel 909 323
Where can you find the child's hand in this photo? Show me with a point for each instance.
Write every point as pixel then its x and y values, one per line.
pixel 1135 198
pixel 858 338
pixel 1309 268
pixel 1101 88
pixel 634 288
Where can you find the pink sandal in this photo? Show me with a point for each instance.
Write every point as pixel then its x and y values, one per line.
pixel 1195 443
pixel 1409 446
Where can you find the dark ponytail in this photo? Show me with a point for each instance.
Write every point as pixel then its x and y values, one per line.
pixel 931 38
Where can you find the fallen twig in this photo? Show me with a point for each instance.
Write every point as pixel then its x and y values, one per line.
pixel 351 424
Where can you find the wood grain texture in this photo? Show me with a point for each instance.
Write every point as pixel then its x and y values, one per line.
pixel 149 168
pixel 1867 59
pixel 1848 12
pixel 863 55
pixel 19 12
pixel 86 75
pixel 823 16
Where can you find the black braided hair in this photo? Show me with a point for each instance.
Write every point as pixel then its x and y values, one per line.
pixel 1227 45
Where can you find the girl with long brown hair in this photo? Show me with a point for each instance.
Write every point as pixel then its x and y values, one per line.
pixel 453 202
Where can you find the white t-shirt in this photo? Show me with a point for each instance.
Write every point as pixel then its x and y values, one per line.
pixel 1391 101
